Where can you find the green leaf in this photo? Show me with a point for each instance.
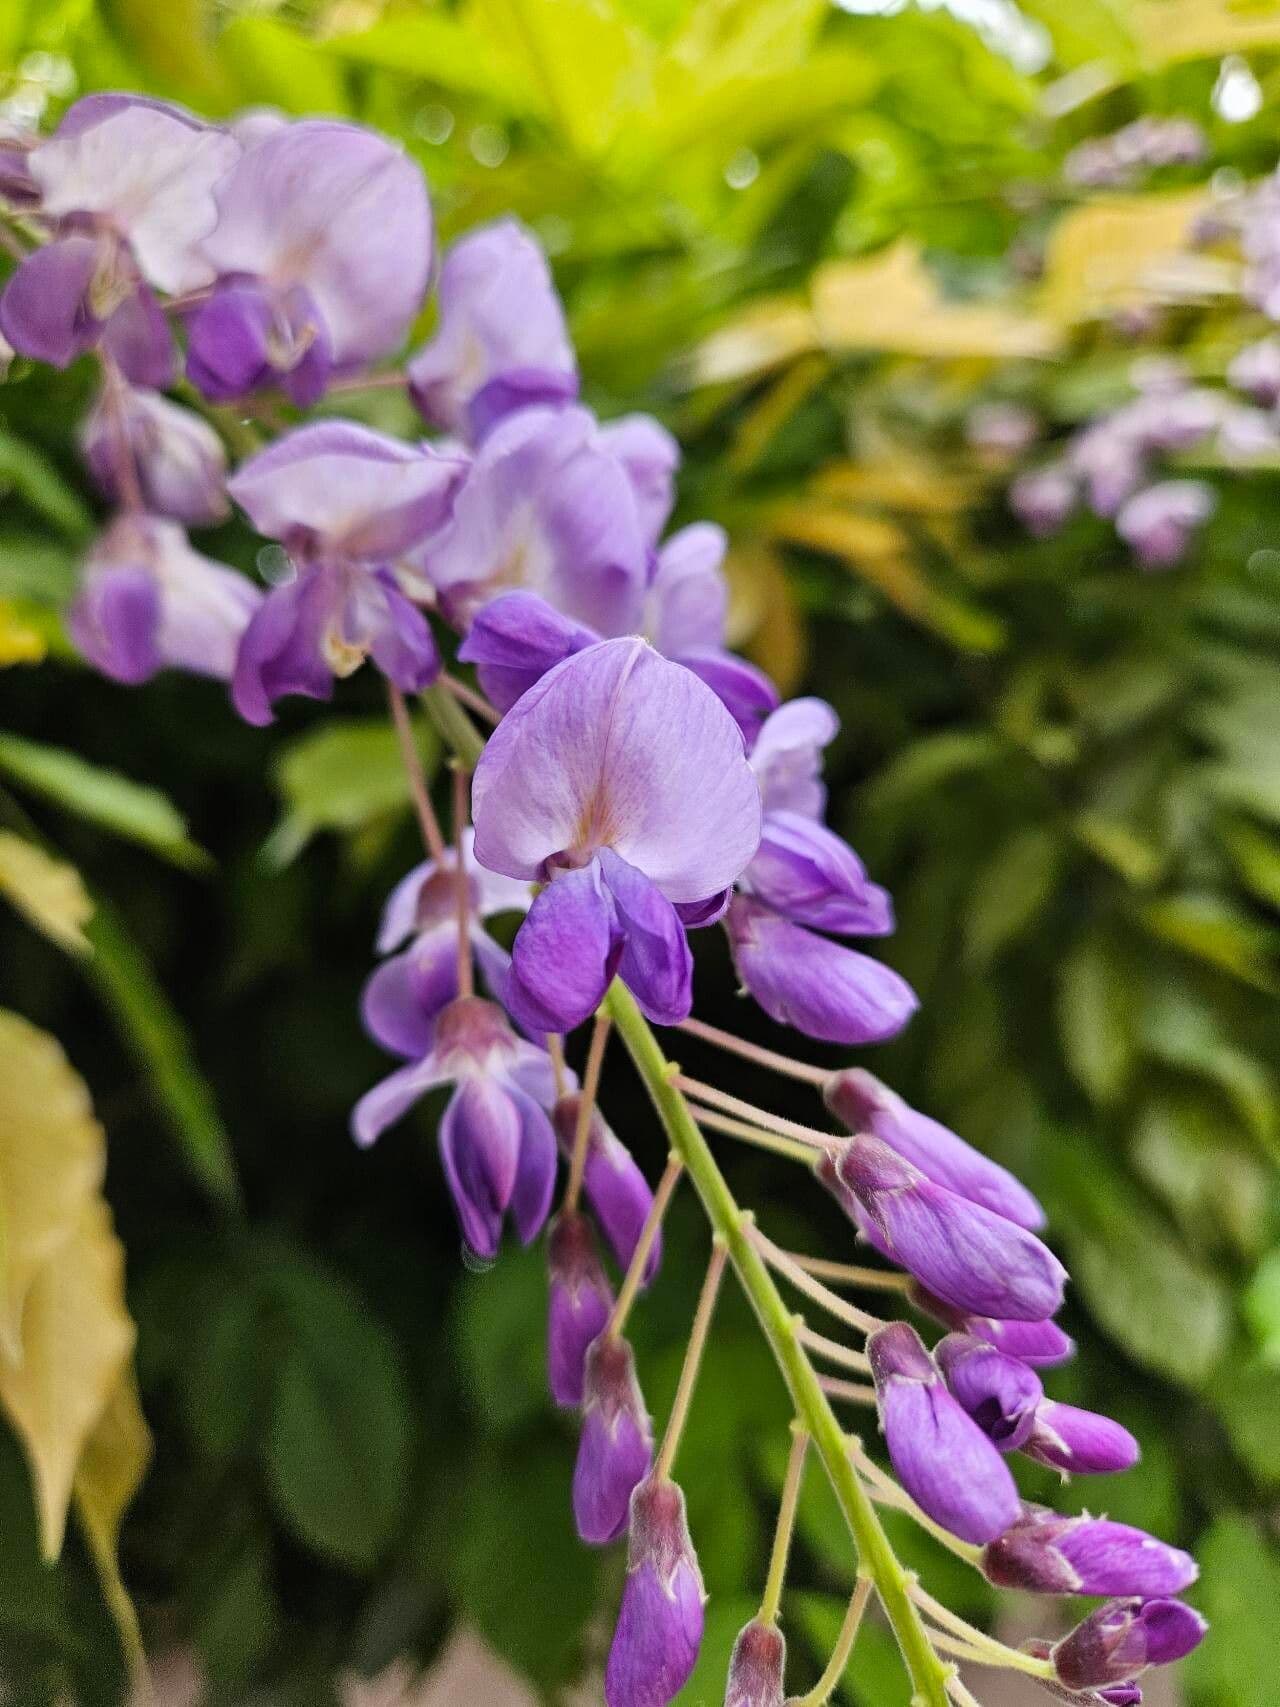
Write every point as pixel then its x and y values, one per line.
pixel 1262 1309
pixel 341 776
pixel 337 1443
pixel 129 809
pixel 1185 1032
pixel 34 478
pixel 49 893
pixel 1210 929
pixel 1256 857
pixel 1013 888
pixel 1239 1579
pixel 1095 1016
pixel 159 1041
pixel 501 1340
pixel 1248 1400
pixel 34 568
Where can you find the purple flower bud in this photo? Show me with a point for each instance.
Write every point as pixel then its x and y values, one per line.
pixel 975 1260
pixel 1047 1554
pixel 1122 1638
pixel 659 1630
pixel 1081 1442
pixel 1043 499
pixel 1256 371
pixel 616 1188
pixel 811 876
pixel 864 1104
pixel 1042 1344
pixel 579 1306
pixel 515 639
pixel 942 1458
pixel 1159 522
pixel 756 1667
pixel 615 1449
pixel 179 460
pixel 999 1392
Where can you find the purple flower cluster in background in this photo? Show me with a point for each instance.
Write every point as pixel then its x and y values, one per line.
pixel 640 782
pixel 1127 155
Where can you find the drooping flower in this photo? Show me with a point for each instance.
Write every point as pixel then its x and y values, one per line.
pixel 973 1259
pixel 1041 1344
pixel 1160 521
pixel 756 1667
pixel 1000 1393
pixel 496 1142
pixel 177 457
pixel 942 1458
pixel 659 1630
pixel 864 1104
pixel 1123 1638
pixel 615 1448
pixel 346 503
pixel 1047 1554
pixel 127 185
pixel 322 249
pixel 619 782
pixel 547 508
pixel 1079 1442
pixel 404 996
pixel 579 1304
pixel 615 1187
pixel 147 601
pixel 501 343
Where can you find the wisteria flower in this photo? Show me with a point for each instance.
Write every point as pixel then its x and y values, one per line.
pixel 1123 1638
pixel 659 1630
pixel 580 1301
pixel 347 504
pixel 650 458
pixel 615 1448
pixel 322 252
pixel 1048 1554
pixel 406 994
pixel 619 1194
pixel 501 343
pixel 147 601
pixel 619 782
pixel 496 1142
pixel 177 458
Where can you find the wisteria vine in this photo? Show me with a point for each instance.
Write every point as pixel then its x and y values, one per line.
pixel 619 778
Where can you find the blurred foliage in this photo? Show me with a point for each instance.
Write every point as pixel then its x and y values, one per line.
pixel 811 241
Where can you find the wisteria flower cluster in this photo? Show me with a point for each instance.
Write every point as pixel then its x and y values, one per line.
pixel 1128 154
pixel 639 782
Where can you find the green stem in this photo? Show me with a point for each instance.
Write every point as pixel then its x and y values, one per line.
pixel 453 725
pixel 827 1684
pixel 876 1557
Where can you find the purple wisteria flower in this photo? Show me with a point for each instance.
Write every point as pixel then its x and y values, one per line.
pixel 547 508
pixel 1123 1638
pixel 347 503
pixel 650 458
pixel 501 343
pixel 1041 1344
pixel 619 782
pixel 322 252
pixel 659 1630
pixel 615 1187
pixel 1079 1442
pixel 757 1667
pixel 1160 521
pixel 975 1260
pixel 615 1449
pixel 1000 1393
pixel 1047 1554
pixel 496 1142
pixel 1256 371
pixel 404 996
pixel 805 879
pixel 1043 499
pixel 579 1304
pixel 864 1104
pixel 177 458
pixel 127 187
pixel 942 1458
pixel 147 601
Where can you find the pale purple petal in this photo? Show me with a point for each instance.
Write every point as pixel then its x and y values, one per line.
pixel 480 1139
pixel 812 876
pixel 787 756
pixel 45 311
pixel 649 456
pixel 655 965
pixel 515 639
pixel 393 1097
pixel 179 459
pixel 403 997
pixel 114 620
pixel 536 1168
pixel 137 338
pixel 746 693
pixel 688 596
pixel 565 954
pixel 244 336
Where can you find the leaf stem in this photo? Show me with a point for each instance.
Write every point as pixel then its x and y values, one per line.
pixel 692 1360
pixel 771 1599
pixel 876 1557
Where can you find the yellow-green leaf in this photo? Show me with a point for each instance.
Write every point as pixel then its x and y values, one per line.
pixel 1123 251
pixel 46 891
pixel 21 642
pixel 110 1471
pixel 1168 31
pixel 52 1157
pixel 77 1338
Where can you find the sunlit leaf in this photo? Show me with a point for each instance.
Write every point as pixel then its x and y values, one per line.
pixel 111 1469
pixel 1256 856
pixel 47 891
pixel 21 642
pixel 1124 251
pixel 340 777
pixel 761 338
pixel 1209 928
pixel 1167 31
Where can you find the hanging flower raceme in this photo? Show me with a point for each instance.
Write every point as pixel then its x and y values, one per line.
pixel 406 994
pixel 147 601
pixel 659 1629
pixel 620 783
pixel 496 1142
pixel 347 504
pixel 127 188
pixel 501 343
pixel 175 457
pixel 322 253
pixel 805 880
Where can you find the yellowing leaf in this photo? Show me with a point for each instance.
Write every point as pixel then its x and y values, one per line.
pixel 20 641
pixel 76 1341
pixel 1122 251
pixel 891 301
pixel 762 614
pixel 1168 31
pixel 48 891
pixel 52 1157
pixel 110 1472
pixel 766 335
pixel 902 479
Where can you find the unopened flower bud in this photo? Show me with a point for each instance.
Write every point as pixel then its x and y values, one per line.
pixel 1079 1441
pixel 180 464
pixel 1042 1344
pixel 579 1305
pixel 616 1446
pixel 616 1189
pixel 756 1667
pixel 1000 1393
pixel 659 1630
pixel 942 1458
pixel 1046 1554
pixel 1123 1637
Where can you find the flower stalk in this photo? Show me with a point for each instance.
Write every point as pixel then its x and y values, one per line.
pixel 692 1360
pixel 771 1599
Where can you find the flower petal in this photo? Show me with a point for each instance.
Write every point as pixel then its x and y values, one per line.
pixel 656 965
pixel 565 954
